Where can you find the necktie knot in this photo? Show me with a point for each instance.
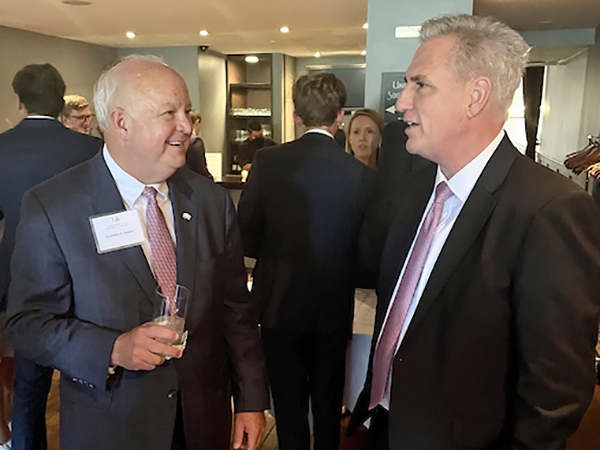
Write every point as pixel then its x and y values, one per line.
pixel 442 193
pixel 149 193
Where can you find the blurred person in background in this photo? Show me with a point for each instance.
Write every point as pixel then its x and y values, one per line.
pixel 254 143
pixel 38 148
pixel 195 157
pixel 76 114
pixel 363 136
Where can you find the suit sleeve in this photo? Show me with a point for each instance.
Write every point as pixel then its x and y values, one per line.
pixel 251 214
pixel 249 379
pixel 556 302
pixel 41 323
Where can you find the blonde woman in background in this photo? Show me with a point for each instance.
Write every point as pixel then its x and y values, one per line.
pixel 363 136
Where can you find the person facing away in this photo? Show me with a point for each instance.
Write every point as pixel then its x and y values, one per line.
pixel 195 157
pixel 300 214
pixel 84 304
pixel 252 144
pixel 488 280
pixel 364 136
pixel 35 150
pixel 76 114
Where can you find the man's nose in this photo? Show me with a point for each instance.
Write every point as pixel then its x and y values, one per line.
pixel 404 101
pixel 184 124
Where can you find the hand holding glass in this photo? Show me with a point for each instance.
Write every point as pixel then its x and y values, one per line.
pixel 170 312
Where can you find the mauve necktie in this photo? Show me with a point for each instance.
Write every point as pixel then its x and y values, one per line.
pixel 161 247
pixel 386 347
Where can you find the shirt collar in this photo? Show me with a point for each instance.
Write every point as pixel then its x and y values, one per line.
pixel 319 131
pixel 35 116
pixel 129 187
pixel 462 183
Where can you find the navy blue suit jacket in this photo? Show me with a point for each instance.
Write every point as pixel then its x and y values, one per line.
pixel 32 152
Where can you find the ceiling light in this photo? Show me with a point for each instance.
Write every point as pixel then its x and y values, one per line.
pixel 77 2
pixel 203 33
pixel 364 53
pixel 366 25
pixel 252 59
pixel 407 32
pixel 284 29
pixel 545 22
pixel 317 55
pixel 130 34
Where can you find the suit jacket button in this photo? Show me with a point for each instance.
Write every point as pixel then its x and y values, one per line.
pixel 172 394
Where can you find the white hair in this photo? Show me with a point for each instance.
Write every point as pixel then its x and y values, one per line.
pixel 107 84
pixel 484 47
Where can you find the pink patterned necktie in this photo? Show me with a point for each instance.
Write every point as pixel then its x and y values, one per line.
pixel 161 248
pixel 386 347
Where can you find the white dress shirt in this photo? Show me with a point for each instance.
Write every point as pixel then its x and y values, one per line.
pixel 131 193
pixel 461 185
pixel 320 131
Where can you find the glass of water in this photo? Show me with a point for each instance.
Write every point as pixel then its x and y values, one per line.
pixel 170 311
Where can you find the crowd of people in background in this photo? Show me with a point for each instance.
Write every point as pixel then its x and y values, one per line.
pixel 486 265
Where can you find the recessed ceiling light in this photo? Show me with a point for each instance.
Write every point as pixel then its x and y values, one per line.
pixel 366 25
pixel 317 55
pixel 272 41
pixel 364 53
pixel 203 33
pixel 284 29
pixel 546 22
pixel 130 34
pixel 252 59
pixel 77 2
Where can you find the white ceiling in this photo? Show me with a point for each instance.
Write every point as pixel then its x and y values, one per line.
pixel 243 26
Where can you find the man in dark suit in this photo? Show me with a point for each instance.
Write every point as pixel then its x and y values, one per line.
pixel 488 282
pixel 195 157
pixel 38 148
pixel 300 215
pixel 84 305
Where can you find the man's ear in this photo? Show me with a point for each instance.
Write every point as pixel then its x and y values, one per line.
pixel 297 120
pixel 120 121
pixel 340 117
pixel 480 93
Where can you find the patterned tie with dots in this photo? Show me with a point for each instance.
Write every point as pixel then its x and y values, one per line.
pixel 161 248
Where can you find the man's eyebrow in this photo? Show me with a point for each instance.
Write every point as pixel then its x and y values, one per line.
pixel 419 78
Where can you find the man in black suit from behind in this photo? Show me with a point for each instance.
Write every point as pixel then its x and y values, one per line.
pixel 38 148
pixel 300 215
pixel 488 281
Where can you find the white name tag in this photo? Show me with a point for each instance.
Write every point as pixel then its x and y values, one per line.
pixel 117 231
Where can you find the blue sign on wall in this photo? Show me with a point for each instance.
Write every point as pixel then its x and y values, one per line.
pixel 392 84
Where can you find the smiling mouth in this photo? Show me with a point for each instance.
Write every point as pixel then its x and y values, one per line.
pixel 175 143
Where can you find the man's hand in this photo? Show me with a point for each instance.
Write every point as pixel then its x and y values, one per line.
pixel 138 349
pixel 251 425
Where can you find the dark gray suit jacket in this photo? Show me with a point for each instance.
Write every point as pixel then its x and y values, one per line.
pixel 499 353
pixel 68 304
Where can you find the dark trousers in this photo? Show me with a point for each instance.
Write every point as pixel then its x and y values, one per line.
pixel 30 394
pixel 379 430
pixel 300 366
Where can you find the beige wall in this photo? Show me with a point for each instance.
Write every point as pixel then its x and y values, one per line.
pixel 79 63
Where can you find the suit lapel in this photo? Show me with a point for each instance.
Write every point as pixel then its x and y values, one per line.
pixel 413 198
pixel 471 220
pixel 187 222
pixel 107 199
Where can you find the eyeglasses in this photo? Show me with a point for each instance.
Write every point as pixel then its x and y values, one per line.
pixel 83 118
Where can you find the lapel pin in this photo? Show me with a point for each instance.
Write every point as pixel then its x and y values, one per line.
pixel 187 216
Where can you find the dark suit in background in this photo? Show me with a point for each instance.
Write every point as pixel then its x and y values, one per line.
pixel 499 352
pixel 300 215
pixel 195 157
pixel 30 153
pixel 69 304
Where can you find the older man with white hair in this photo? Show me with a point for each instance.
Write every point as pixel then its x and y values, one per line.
pixel 489 276
pixel 93 247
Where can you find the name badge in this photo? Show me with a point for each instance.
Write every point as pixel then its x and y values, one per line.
pixel 117 231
